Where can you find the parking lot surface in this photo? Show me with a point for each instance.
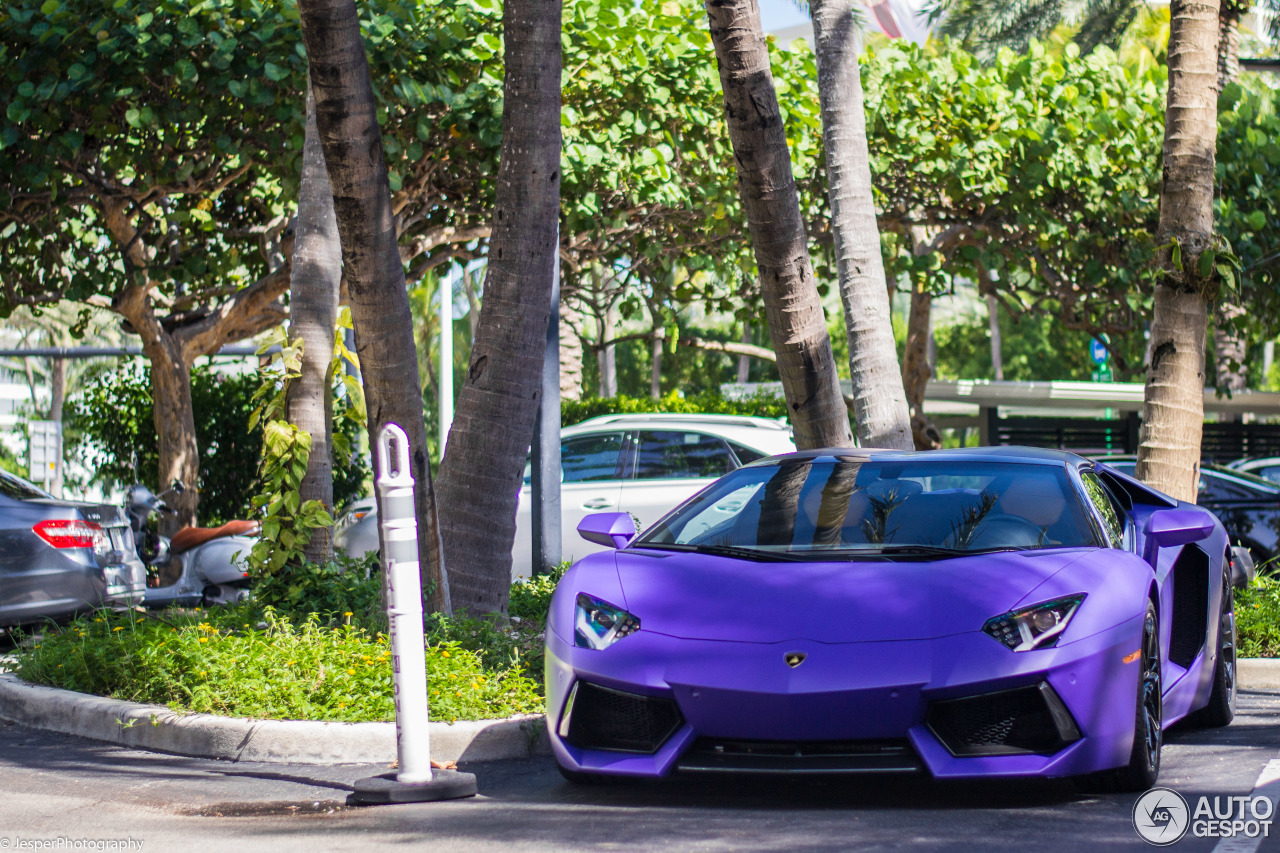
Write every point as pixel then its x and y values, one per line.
pixel 61 787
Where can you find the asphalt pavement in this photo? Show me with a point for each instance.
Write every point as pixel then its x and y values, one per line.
pixel 63 792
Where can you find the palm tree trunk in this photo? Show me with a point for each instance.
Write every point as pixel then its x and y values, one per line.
pixel 1173 405
pixel 1230 345
pixel 493 425
pixel 993 323
pixel 570 351
pixel 797 325
pixel 313 310
pixel 880 413
pixel 346 116
pixel 916 371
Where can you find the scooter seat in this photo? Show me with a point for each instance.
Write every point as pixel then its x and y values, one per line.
pixel 192 537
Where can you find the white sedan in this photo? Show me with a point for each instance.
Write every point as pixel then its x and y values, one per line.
pixel 644 464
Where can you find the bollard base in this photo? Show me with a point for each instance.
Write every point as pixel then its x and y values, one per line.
pixel 386 790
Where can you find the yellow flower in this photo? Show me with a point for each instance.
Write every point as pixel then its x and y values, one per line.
pixel 351 672
pixel 348 613
pixel 97 620
pixel 117 628
pixel 136 621
pixel 288 663
pixel 204 639
pixel 444 654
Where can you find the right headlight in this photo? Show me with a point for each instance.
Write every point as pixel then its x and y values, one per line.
pixel 1036 626
pixel 598 624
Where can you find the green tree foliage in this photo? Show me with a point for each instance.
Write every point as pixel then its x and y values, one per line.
pixel 116 419
pixel 1247 208
pixel 1034 175
pixel 1033 347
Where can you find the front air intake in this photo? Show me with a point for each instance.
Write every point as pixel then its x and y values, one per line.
pixel 1026 720
pixel 602 718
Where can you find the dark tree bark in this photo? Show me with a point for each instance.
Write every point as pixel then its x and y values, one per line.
pixel 880 412
pixel 1173 405
pixel 346 117
pixel 493 424
pixel 797 325
pixel 1230 344
pixel 916 371
pixel 313 310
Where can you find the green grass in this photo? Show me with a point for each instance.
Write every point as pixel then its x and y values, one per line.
pixel 311 646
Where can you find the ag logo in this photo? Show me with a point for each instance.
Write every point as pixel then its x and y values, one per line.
pixel 1161 816
pixel 794 659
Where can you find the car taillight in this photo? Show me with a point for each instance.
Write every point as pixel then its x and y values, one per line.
pixel 73 534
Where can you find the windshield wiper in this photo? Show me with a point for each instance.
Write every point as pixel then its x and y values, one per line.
pixel 722 551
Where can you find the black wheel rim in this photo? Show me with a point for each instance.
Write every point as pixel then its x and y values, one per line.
pixel 1151 700
pixel 1227 646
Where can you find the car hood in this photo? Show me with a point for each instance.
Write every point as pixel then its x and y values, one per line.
pixel 698 596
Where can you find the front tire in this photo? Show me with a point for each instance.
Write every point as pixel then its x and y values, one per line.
pixel 1143 769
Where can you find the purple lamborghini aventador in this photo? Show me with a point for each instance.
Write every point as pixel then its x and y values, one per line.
pixel 978 612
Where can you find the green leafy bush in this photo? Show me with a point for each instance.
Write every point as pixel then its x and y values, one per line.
pixel 531 598
pixel 117 420
pixel 225 662
pixel 1258 619
pixel 328 591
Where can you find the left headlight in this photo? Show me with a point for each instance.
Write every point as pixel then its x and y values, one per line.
pixel 1036 626
pixel 598 624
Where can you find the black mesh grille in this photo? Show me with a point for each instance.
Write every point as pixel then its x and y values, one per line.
pixel 753 756
pixel 601 718
pixel 1025 720
pixel 1190 606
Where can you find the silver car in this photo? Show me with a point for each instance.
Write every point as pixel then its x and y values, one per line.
pixel 59 557
pixel 644 464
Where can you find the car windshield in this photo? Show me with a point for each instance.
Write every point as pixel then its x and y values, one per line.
pixel 825 509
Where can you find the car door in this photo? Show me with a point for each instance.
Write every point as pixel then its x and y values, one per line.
pixel 666 466
pixel 591 470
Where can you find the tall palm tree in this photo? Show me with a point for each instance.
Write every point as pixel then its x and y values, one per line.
pixel 1173 405
pixel 347 120
pixel 480 475
pixel 793 308
pixel 881 417
pixel 313 307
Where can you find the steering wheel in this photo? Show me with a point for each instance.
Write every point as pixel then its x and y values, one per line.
pixel 1007 531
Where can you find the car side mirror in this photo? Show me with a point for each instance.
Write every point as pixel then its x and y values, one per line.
pixel 1179 526
pixel 610 529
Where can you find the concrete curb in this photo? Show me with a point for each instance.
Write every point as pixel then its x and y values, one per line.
pixel 157 728
pixel 1258 673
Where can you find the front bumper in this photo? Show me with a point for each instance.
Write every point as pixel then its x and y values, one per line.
pixel 851 706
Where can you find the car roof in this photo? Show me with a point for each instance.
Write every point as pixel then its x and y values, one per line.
pixel 999 453
pixel 645 418
pixel 761 434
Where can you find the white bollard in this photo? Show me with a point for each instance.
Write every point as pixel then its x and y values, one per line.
pixel 404 604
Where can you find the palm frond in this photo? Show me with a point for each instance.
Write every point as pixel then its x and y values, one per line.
pixel 1105 22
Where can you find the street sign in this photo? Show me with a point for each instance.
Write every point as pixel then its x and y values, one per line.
pixel 1102 374
pixel 45 451
pixel 1098 352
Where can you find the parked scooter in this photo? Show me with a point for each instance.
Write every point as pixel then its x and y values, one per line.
pixel 200 565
